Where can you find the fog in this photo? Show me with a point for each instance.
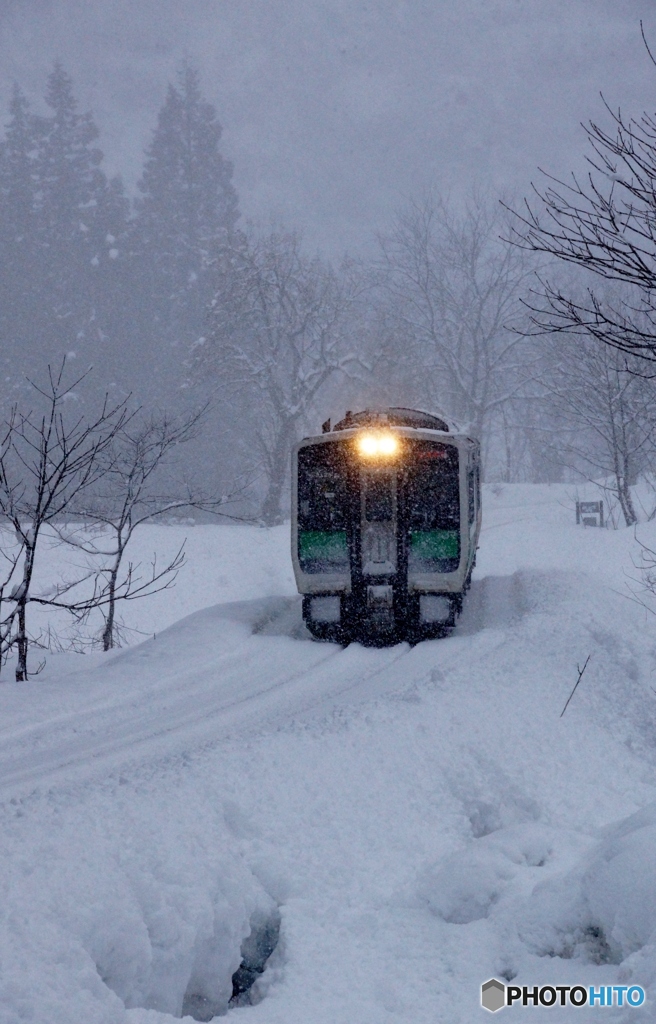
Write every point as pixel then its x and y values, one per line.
pixel 333 111
pixel 308 222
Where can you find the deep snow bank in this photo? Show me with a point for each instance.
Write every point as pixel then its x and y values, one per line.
pixel 113 900
pixel 422 819
pixel 606 904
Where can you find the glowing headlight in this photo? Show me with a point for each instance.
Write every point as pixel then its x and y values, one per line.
pixel 377 444
pixel 387 444
pixel 368 444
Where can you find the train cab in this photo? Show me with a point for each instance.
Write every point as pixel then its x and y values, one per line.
pixel 385 523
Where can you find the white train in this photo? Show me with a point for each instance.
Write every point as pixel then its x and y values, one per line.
pixel 386 515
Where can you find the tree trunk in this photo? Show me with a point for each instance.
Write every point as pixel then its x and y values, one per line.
pixel 108 638
pixel 626 501
pixel 271 514
pixel 623 488
pixel 21 643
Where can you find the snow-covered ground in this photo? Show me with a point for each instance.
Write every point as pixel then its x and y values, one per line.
pixel 416 821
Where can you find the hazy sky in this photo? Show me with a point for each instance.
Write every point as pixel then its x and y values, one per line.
pixel 335 110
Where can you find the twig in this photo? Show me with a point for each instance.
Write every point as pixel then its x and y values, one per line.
pixel 580 672
pixel 644 39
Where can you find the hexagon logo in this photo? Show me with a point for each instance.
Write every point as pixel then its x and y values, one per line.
pixel 493 995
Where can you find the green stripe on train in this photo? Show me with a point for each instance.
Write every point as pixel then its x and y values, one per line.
pixel 429 545
pixel 329 546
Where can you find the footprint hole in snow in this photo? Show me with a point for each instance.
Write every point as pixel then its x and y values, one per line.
pixel 597 946
pixel 589 944
pixel 489 816
pixel 255 952
pixel 256 949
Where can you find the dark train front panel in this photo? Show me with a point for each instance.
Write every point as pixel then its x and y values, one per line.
pixel 385 524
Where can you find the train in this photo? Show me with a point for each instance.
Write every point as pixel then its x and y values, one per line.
pixel 386 518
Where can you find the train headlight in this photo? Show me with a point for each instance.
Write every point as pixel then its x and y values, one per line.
pixel 383 443
pixel 387 444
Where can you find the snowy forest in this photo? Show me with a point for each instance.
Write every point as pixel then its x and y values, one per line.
pixel 171 301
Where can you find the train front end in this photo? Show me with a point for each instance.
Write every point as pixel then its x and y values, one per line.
pixel 385 523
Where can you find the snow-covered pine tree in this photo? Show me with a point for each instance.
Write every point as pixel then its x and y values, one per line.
pixel 187 203
pixel 112 332
pixel 20 265
pixel 62 226
pixel 79 218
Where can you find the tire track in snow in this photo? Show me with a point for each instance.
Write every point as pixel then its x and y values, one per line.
pixel 163 708
pixel 224 672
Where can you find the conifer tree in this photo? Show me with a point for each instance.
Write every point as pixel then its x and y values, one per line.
pixel 76 212
pixel 17 172
pixel 19 249
pixel 187 203
pixel 62 225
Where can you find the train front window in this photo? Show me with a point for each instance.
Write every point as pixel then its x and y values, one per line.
pixel 323 508
pixel 433 508
pixel 378 497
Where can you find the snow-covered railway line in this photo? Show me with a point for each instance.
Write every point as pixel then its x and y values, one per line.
pixel 156 700
pixel 225 672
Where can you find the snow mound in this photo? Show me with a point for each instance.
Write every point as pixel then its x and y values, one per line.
pixel 620 884
pixel 550 893
pixel 604 909
pixel 142 901
pixel 466 886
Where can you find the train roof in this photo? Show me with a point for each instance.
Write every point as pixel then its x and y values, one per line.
pixel 393 417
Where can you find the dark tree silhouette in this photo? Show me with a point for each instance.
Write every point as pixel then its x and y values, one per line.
pixel 61 226
pixel 187 203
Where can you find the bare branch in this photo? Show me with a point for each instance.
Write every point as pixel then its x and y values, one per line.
pixel 580 677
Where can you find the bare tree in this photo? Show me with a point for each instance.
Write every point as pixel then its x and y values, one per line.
pixel 277 334
pixel 453 294
pixel 514 461
pixel 604 223
pixel 47 460
pixel 11 558
pixel 601 419
pixel 132 492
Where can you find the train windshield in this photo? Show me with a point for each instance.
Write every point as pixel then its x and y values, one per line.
pixel 433 508
pixel 378 497
pixel 323 508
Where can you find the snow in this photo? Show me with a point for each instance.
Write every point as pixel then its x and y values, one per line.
pixel 421 819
